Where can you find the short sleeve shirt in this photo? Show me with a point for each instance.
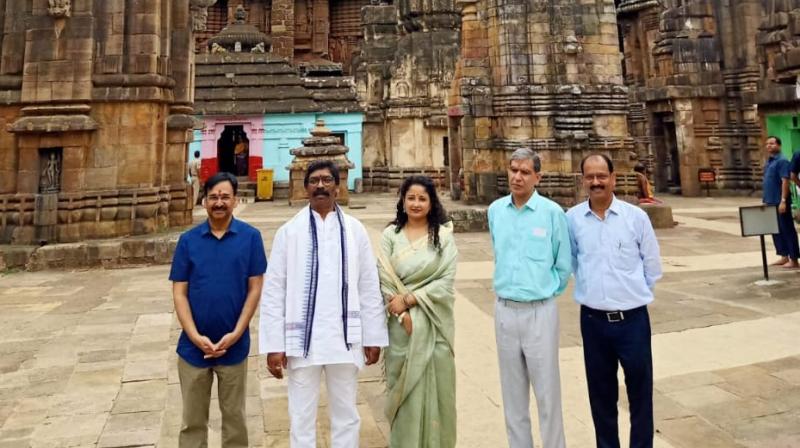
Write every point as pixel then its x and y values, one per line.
pixel 794 165
pixel 217 270
pixel 775 170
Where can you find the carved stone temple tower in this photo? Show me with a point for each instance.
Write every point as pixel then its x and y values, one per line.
pixel 539 74
pixel 95 117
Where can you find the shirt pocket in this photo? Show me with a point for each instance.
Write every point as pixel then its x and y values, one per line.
pixel 626 255
pixel 536 248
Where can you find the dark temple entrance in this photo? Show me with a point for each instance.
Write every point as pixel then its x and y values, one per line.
pixel 233 151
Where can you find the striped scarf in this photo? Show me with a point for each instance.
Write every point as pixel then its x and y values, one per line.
pixel 312 279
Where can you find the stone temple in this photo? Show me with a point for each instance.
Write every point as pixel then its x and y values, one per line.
pixel 377 74
pixel 96 114
pixel 708 82
pixel 539 74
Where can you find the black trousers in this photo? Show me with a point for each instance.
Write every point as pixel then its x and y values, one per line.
pixel 786 241
pixel 625 340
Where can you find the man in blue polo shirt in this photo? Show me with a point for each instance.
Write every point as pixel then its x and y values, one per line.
pixel 776 192
pixel 217 273
pixel 532 264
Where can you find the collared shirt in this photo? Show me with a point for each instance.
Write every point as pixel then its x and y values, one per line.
pixel 794 165
pixel 775 170
pixel 616 259
pixel 218 271
pixel 531 249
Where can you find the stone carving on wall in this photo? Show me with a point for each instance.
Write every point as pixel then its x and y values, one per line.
pixel 199 9
pixel 217 48
pixel 50 176
pixel 240 14
pixel 60 8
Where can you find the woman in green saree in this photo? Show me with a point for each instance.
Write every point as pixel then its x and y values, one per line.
pixel 417 265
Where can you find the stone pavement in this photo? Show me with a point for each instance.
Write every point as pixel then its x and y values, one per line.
pixel 87 357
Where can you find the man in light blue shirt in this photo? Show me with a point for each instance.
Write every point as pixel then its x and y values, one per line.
pixel 616 261
pixel 532 266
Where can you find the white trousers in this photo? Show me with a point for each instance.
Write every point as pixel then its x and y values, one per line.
pixel 527 348
pixel 341 382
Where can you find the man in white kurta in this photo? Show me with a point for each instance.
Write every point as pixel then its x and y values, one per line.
pixel 322 311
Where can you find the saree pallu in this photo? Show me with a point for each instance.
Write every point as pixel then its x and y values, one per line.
pixel 420 368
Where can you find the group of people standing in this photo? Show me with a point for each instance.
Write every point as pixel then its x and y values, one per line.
pixel 328 305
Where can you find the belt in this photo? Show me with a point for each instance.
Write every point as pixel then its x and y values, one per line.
pixel 519 304
pixel 613 316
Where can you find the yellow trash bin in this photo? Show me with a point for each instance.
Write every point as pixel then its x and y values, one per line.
pixel 264 184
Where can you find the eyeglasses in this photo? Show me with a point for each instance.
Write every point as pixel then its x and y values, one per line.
pixel 324 180
pixel 214 198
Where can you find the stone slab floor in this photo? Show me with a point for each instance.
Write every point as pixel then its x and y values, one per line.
pixel 87 358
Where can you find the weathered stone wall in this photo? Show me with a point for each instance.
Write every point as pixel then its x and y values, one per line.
pixel 541 75
pixel 403 75
pixel 105 93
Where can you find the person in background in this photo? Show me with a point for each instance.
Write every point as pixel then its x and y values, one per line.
pixel 776 192
pixel 194 177
pixel 645 192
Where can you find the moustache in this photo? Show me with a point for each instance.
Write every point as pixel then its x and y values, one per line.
pixel 597 187
pixel 321 193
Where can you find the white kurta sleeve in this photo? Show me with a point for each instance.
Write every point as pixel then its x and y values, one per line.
pixel 271 326
pixel 373 314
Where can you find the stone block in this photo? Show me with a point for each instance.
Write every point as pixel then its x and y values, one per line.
pixel 660 215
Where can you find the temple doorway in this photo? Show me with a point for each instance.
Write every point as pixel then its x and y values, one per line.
pixel 233 150
pixel 667 158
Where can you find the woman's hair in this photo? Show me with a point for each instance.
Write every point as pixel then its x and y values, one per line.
pixel 436 216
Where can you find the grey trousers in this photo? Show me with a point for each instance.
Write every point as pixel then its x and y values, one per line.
pixel 527 348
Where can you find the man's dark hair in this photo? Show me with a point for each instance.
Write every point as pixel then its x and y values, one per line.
pixel 197 154
pixel 777 139
pixel 640 168
pixel 321 165
pixel 605 157
pixel 220 177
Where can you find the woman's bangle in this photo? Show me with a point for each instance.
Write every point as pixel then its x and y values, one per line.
pixel 401 316
pixel 405 301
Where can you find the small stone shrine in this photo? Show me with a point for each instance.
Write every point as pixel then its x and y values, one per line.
pixel 321 145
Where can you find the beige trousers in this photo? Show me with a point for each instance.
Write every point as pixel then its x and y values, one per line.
pixel 196 391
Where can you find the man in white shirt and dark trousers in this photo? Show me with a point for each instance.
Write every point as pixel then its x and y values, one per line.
pixel 322 310
pixel 616 262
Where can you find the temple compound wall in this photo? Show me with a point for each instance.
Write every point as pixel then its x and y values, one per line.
pixel 539 74
pixel 95 108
